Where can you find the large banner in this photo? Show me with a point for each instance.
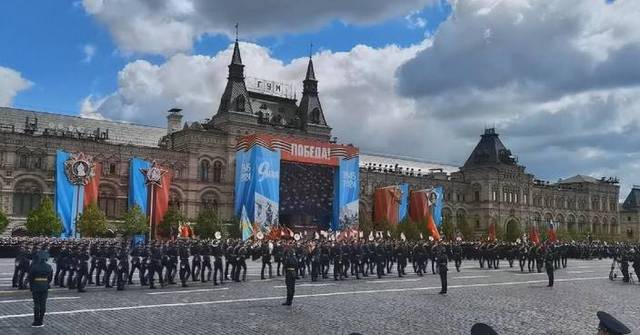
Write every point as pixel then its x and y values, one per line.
pixel 386 204
pixel 77 180
pixel 425 206
pixel 257 192
pixel 257 188
pixel 138 193
pixel 346 200
pixel 149 186
pixel 404 202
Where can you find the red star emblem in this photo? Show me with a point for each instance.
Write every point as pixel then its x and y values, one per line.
pixel 153 175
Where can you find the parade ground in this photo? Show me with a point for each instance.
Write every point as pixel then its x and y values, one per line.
pixel 510 301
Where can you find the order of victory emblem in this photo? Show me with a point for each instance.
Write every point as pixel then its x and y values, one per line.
pixel 79 168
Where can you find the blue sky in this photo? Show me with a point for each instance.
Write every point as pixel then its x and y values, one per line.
pixel 47 39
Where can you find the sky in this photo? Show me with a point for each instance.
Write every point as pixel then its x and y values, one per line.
pixel 558 79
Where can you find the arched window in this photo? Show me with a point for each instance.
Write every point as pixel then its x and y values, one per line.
pixel 204 170
pixel 107 201
pixel 217 172
pixel 26 196
pixel 23 161
pixel 175 200
pixel 240 103
pixel 315 116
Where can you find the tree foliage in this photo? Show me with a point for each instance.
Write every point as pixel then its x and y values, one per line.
pixel 43 220
pixel 447 228
pixel 170 222
pixel 207 224
pixel 465 229
pixel 232 228
pixel 134 222
pixel 92 222
pixel 513 232
pixel 4 222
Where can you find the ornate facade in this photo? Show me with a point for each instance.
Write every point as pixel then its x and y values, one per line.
pixel 489 188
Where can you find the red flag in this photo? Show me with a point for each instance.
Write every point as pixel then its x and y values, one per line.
pixel 91 189
pixel 492 232
pixel 535 239
pixel 386 204
pixel 161 199
pixel 419 211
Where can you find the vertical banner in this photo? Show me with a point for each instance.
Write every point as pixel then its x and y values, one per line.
pixel 435 204
pixel 138 193
pixel 91 190
pixel 386 206
pixel 346 199
pixel 161 199
pixel 65 196
pixel 404 202
pixel 267 187
pixel 425 206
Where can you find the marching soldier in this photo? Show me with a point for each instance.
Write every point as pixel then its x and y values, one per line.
pixel 196 262
pixel 185 270
pixel 122 269
pixel 135 264
pixel 40 277
pixel 266 259
pixel 442 261
pixel 290 272
pixel 217 261
pixel 206 263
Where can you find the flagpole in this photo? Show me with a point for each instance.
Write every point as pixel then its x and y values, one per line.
pixel 76 214
pixel 150 209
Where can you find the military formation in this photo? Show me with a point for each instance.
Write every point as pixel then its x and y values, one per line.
pixel 116 263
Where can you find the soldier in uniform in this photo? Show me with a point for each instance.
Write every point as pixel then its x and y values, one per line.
pixel 325 259
pixel 290 271
pixel 266 259
pixel 196 262
pixel 101 263
pixel 230 257
pixel 40 276
pixel 156 266
pixel 442 261
pixel 21 268
pixel 82 274
pixel 206 263
pixel 122 269
pixel 380 258
pixel 336 253
pixel 185 269
pixel 112 267
pixel 217 263
pixel 610 326
pixel 241 262
pixel 315 263
pixel 277 257
pixel 93 252
pixel 172 263
pixel 548 264
pixel 135 264
pixel 401 258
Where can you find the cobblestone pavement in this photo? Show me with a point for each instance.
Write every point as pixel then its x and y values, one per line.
pixel 511 301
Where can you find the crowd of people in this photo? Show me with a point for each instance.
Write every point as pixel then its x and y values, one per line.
pixel 114 262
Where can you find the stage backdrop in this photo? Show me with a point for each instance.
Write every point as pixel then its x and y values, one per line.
pixel 257 188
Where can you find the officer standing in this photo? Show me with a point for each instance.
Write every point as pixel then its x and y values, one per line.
pixel 40 277
pixel 442 261
pixel 548 264
pixel 290 272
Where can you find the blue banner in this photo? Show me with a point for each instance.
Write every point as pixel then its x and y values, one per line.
pixel 138 194
pixel 66 196
pixel 346 200
pixel 138 240
pixel 436 205
pixel 404 202
pixel 257 189
pixel 267 186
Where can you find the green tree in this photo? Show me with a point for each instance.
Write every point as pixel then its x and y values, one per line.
pixel 232 228
pixel 448 229
pixel 513 232
pixel 500 232
pixel 207 224
pixel 170 222
pixel 92 222
pixel 409 228
pixel 134 222
pixel 465 229
pixel 4 222
pixel 43 221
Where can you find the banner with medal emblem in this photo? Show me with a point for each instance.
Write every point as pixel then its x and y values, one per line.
pixel 76 186
pixel 346 201
pixel 149 185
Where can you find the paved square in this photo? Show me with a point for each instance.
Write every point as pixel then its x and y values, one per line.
pixel 511 301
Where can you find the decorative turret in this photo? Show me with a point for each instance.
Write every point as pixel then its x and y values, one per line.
pixel 174 120
pixel 235 97
pixel 310 109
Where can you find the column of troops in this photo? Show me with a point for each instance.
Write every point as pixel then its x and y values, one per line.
pixel 114 262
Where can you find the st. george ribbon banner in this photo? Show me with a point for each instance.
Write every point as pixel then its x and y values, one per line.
pixel 257 188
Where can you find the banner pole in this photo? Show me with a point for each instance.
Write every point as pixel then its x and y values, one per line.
pixel 150 210
pixel 75 215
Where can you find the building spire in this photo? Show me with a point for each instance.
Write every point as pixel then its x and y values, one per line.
pixel 236 59
pixel 311 75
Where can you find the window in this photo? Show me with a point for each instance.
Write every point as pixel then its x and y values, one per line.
pixel 524 198
pixel 210 202
pixel 23 161
pixel 476 196
pixel 217 172
pixel 204 170
pixel 26 196
pixel 315 116
pixel 112 169
pixel 107 201
pixel 37 162
pixel 494 196
pixel 240 103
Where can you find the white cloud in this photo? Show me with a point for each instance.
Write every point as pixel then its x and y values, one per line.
pixel 171 26
pixel 88 50
pixel 11 83
pixel 560 80
pixel 89 108
pixel 415 21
